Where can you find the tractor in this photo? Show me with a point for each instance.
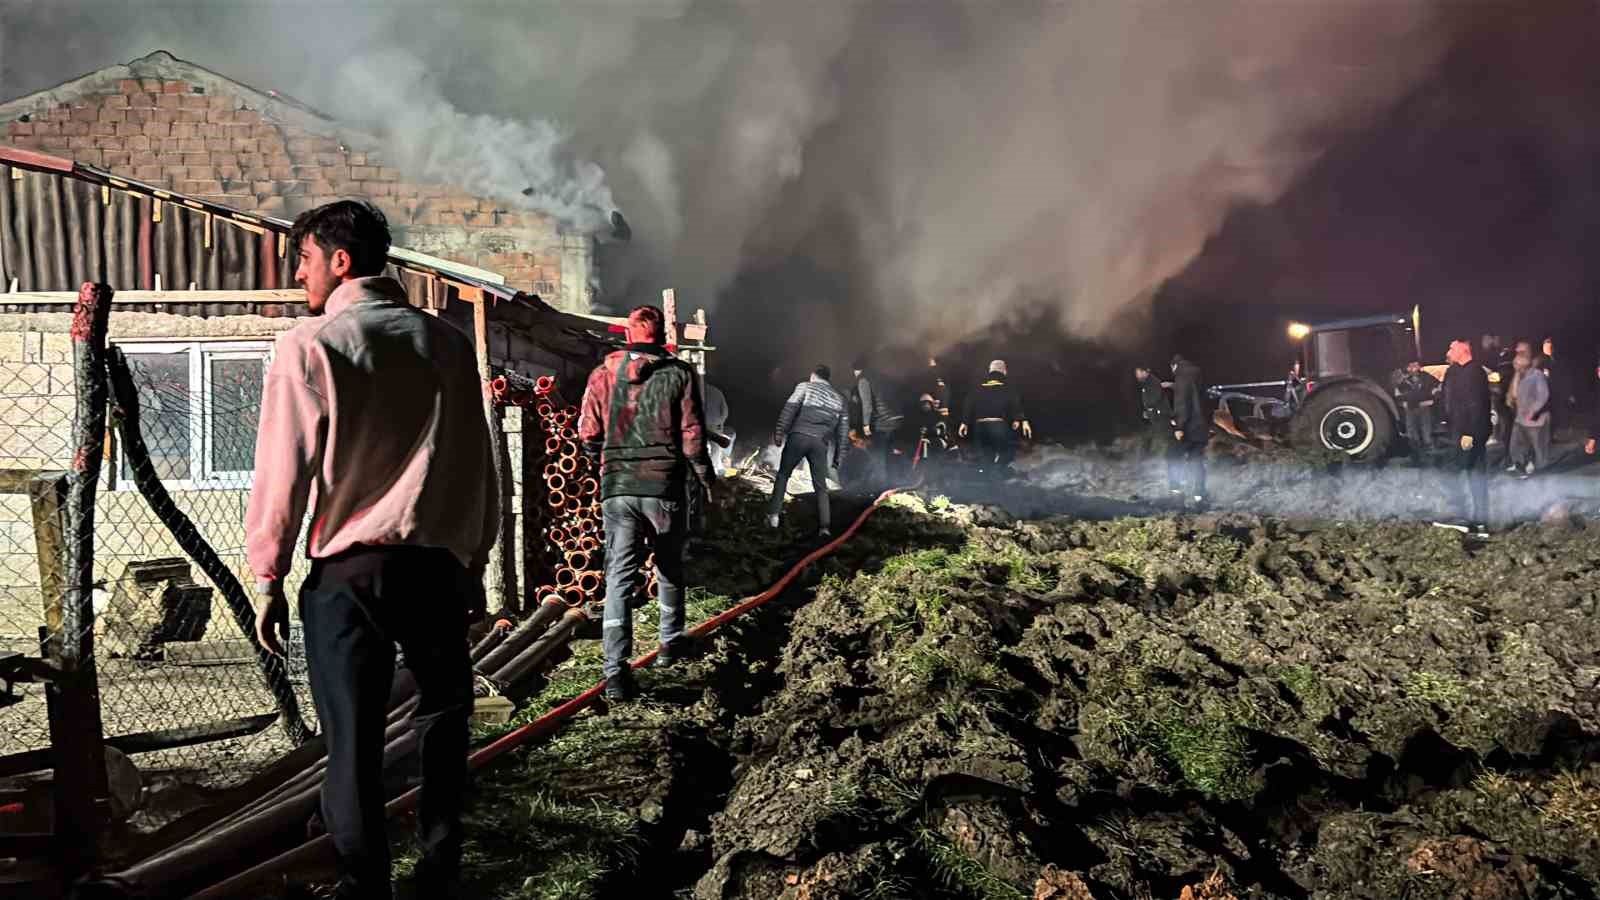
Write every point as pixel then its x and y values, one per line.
pixel 1345 402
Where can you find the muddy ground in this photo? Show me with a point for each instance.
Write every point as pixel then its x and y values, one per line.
pixel 965 704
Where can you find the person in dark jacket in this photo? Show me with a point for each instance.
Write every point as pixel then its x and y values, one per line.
pixel 812 427
pixel 1415 393
pixel 1191 431
pixel 642 418
pixel 1294 386
pixel 993 416
pixel 1563 388
pixel 1466 405
pixel 879 420
pixel 1155 414
pixel 1499 359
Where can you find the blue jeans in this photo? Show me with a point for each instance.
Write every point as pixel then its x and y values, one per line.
pixel 628 522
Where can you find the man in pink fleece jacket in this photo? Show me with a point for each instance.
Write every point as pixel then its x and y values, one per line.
pixel 373 415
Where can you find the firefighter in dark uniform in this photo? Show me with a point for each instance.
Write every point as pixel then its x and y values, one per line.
pixel 1155 414
pixel 1191 431
pixel 992 417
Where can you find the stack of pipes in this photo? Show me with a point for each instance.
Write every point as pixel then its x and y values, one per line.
pixel 568 521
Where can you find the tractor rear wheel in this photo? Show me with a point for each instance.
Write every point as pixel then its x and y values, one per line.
pixel 1347 420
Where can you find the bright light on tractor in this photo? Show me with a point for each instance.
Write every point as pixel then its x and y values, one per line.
pixel 1298 330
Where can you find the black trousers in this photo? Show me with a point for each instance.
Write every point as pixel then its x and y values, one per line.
pixel 355 608
pixel 1186 461
pixel 996 445
pixel 1475 463
pixel 815 452
pixel 1156 437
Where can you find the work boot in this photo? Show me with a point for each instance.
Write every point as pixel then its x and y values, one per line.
pixel 621 688
pixel 672 654
pixel 772 520
pixel 823 534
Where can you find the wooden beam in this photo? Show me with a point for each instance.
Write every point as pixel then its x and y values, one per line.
pixel 499 597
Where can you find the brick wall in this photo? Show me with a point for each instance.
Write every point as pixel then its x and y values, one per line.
pixel 198 139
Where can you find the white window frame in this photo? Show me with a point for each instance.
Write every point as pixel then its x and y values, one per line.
pixel 201 354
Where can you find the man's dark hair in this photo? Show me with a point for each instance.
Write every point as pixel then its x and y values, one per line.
pixel 822 372
pixel 649 317
pixel 357 228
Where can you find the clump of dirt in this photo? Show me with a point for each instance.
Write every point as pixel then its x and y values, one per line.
pixel 964 705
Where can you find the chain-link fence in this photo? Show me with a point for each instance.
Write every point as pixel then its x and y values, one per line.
pixel 181 686
pixel 36 410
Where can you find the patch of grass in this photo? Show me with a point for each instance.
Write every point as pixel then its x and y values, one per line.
pixel 933 559
pixel 1498 787
pixel 535 844
pixel 1130 561
pixel 1437 688
pixel 1307 686
pixel 1209 750
pixel 1111 726
pixel 958 870
pixel 844 799
pixel 927 664
pixel 940 503
pixel 1574 802
pixel 572 877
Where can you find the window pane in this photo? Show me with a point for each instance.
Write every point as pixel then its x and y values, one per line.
pixel 233 412
pixel 163 383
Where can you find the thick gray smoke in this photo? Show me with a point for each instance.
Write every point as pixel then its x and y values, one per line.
pixel 950 163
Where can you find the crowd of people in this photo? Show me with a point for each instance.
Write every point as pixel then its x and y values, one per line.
pixel 1512 398
pixel 818 422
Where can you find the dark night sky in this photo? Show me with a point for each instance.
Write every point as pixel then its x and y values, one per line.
pixel 1475 196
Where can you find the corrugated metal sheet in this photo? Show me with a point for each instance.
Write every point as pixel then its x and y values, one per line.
pixel 57 231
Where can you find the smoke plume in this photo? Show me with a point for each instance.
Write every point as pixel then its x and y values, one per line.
pixel 930 169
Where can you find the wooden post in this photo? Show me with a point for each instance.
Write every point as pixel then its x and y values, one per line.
pixel 47 493
pixel 73 699
pixel 669 312
pixel 496 573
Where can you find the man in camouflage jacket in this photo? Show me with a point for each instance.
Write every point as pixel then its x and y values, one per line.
pixel 642 418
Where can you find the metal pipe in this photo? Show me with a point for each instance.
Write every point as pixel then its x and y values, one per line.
pixel 578 560
pixel 573 597
pixel 565 578
pixel 525 634
pixel 566 465
pixel 556 482
pixel 528 661
pixel 556 499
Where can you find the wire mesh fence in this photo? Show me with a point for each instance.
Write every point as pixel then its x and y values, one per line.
pixel 180 683
pixel 36 409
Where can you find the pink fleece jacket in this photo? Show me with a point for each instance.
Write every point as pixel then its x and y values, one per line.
pixel 372 413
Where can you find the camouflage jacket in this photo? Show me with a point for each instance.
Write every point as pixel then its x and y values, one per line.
pixel 648 431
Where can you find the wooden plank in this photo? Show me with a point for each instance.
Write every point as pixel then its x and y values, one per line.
pixel 48 497
pixel 209 653
pixel 499 597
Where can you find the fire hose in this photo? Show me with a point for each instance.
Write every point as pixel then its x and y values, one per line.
pixel 320 850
